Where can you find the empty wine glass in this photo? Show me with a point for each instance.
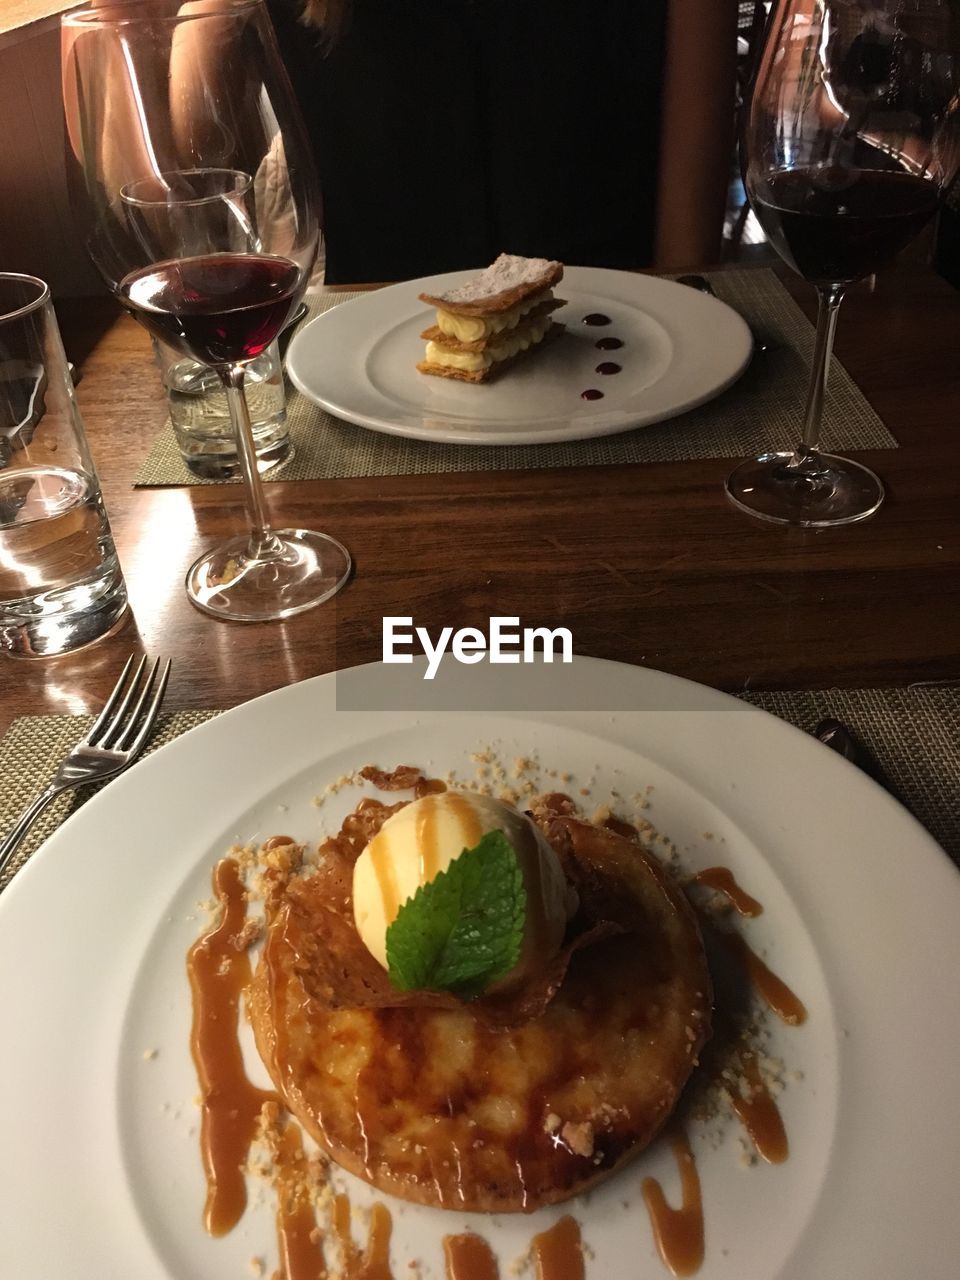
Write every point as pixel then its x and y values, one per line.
pixel 205 225
pixel 848 144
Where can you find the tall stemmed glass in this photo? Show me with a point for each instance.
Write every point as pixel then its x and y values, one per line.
pixel 848 143
pixel 205 224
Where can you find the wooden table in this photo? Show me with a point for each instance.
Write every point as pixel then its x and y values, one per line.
pixel 645 564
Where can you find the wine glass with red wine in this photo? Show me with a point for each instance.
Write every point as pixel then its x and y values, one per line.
pixel 849 142
pixel 205 224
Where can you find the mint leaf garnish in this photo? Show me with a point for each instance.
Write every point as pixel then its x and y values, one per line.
pixel 462 930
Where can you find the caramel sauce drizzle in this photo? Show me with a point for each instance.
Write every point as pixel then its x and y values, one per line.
pixel 469 822
pixel 469 1257
pixel 428 835
pixel 219 968
pixel 428 839
pixel 428 787
pixel 759 1114
pixel 722 880
pixel 277 978
pixel 678 1233
pixel 383 866
pixel 298 1237
pixel 374 1262
pixel 558 1253
pixel 772 990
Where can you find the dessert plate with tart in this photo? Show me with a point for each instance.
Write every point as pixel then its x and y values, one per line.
pixel 695 926
pixel 526 352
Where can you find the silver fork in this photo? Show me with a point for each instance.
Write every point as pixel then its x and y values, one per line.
pixel 114 742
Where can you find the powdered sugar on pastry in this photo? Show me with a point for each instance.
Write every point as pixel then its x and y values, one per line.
pixel 502 284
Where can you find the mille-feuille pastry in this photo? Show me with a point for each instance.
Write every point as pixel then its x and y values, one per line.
pixel 492 319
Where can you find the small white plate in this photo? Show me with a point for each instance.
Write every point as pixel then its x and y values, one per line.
pixel 680 348
pixel 100 1176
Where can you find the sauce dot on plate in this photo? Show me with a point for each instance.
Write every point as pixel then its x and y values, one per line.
pixel 591 393
pixel 596 318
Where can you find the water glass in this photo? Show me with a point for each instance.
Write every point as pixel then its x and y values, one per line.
pixel 207 208
pixel 60 580
pixel 200 415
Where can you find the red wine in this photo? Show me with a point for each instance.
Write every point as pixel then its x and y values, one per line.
pixel 836 225
pixel 221 308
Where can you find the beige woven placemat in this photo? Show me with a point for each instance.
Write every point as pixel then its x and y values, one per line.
pixel 30 751
pixel 761 411
pixel 914 734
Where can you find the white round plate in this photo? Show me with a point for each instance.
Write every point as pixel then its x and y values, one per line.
pixel 100 1177
pixel 681 347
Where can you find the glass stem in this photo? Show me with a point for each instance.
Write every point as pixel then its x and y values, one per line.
pixel 264 544
pixel 829 298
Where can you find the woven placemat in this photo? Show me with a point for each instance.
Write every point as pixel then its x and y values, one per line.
pixel 30 751
pixel 761 411
pixel 914 734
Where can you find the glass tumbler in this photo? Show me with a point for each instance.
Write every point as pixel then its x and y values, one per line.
pixel 200 414
pixel 60 580
pixel 210 204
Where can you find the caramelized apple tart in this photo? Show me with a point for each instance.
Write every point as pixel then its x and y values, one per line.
pixel 522 1095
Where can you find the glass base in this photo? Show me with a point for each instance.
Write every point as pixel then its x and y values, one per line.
pixel 815 492
pixel 213 459
pixel 66 620
pixel 305 569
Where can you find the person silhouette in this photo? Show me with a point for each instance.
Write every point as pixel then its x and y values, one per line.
pixel 449 131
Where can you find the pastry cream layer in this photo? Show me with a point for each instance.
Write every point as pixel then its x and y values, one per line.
pixel 511 345
pixel 473 328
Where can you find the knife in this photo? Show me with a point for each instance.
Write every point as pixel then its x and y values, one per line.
pixel 761 343
pixel 836 735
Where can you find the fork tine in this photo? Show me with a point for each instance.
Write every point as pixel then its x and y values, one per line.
pixel 115 727
pixel 104 716
pixel 148 721
pixel 130 728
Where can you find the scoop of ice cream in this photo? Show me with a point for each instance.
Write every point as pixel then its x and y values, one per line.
pixel 424 837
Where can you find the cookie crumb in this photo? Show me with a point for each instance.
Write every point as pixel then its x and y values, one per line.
pixel 578 1137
